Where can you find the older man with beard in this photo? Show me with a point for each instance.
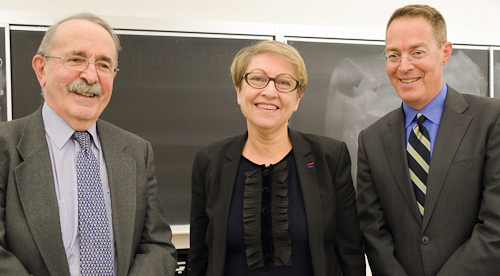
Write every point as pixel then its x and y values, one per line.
pixel 78 196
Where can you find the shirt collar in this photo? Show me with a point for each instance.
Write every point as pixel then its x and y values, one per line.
pixel 59 131
pixel 432 111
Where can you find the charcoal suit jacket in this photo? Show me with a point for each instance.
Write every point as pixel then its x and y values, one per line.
pixel 459 233
pixel 30 233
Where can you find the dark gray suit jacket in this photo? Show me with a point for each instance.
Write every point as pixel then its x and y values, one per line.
pixel 329 201
pixel 460 231
pixel 30 232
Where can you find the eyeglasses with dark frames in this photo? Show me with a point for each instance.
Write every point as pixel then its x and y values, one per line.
pixel 282 83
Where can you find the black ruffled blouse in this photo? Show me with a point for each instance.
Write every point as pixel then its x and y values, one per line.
pixel 267 225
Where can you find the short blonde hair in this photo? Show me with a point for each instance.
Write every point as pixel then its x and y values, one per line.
pixel 287 52
pixel 429 13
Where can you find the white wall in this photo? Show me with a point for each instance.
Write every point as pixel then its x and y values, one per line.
pixel 469 19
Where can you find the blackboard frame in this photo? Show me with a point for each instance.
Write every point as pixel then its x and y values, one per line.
pixel 281 32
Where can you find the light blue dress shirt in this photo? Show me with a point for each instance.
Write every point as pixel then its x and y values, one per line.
pixel 63 152
pixel 432 111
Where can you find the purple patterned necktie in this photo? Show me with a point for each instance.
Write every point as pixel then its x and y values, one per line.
pixel 95 241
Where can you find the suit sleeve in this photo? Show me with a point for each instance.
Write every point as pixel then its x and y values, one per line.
pixel 349 240
pixel 198 252
pixel 9 264
pixel 379 243
pixel 480 255
pixel 156 255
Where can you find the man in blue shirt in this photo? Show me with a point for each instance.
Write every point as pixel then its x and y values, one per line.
pixel 429 172
pixel 78 196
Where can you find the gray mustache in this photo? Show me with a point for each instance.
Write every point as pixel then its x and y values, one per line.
pixel 80 86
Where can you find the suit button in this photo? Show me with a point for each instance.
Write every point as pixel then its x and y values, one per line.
pixel 265 211
pixel 265 172
pixel 265 190
pixel 268 258
pixel 425 240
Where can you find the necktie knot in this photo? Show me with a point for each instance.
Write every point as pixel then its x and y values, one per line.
pixel 83 138
pixel 420 119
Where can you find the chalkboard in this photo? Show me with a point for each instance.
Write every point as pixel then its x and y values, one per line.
pixel 496 66
pixel 177 93
pixel 467 71
pixel 3 88
pixel 349 89
pixel 26 97
pixel 174 91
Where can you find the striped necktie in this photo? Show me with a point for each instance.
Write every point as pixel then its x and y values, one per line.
pixel 418 152
pixel 95 241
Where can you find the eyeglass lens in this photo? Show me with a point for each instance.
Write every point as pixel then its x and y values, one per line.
pixel 77 63
pixel 282 83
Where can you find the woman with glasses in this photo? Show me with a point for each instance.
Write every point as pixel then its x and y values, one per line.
pixel 273 201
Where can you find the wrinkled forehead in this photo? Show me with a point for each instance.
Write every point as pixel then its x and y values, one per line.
pixel 84 38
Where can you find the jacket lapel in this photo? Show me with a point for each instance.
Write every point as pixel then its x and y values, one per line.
pixel 228 177
pixel 121 170
pixel 312 199
pixel 394 142
pixel 452 129
pixel 37 194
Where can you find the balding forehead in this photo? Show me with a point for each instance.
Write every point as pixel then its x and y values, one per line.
pixel 67 29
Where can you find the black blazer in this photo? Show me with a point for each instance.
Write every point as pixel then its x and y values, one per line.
pixel 329 200
pixel 460 231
